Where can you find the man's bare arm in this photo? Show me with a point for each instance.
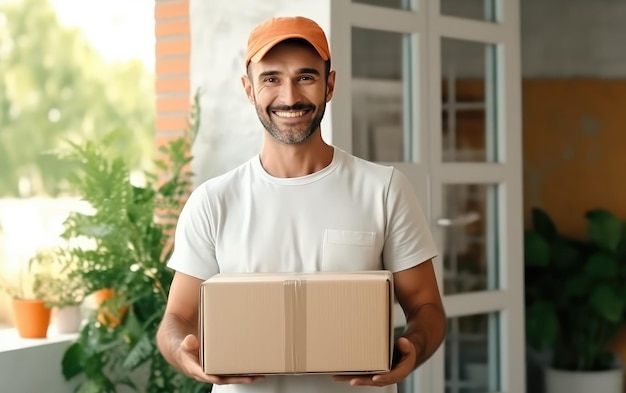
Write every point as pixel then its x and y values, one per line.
pixel 417 292
pixel 177 336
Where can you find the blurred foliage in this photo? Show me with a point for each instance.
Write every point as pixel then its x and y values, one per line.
pixel 575 290
pixel 55 86
pixel 129 233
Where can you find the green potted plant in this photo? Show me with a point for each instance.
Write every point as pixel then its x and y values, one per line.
pixel 127 234
pixel 63 286
pixel 576 296
pixel 31 314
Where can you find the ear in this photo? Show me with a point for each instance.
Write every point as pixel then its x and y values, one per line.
pixel 330 85
pixel 248 88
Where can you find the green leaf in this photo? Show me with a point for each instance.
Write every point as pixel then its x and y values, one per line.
pixel 139 353
pixel 577 286
pixel 543 224
pixel 564 256
pixel 602 266
pixel 536 250
pixel 132 325
pixel 605 230
pixel 542 325
pixel 73 362
pixel 608 302
pixel 102 385
pixel 126 381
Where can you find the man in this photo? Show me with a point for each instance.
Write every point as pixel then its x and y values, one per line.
pixel 301 205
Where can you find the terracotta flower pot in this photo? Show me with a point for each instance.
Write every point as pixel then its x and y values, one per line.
pixel 108 318
pixel 32 318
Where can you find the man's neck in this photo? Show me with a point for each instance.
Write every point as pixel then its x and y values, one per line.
pixel 288 161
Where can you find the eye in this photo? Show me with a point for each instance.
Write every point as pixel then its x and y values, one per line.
pixel 270 79
pixel 306 78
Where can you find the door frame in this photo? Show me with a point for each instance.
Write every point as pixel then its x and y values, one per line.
pixel 427 27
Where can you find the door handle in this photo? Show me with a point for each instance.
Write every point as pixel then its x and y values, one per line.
pixel 462 220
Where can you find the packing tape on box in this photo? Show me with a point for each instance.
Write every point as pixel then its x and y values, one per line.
pixel 295 325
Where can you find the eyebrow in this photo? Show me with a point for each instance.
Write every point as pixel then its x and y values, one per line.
pixel 308 71
pixel 313 71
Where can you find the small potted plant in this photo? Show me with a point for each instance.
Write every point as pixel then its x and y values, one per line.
pixel 576 299
pixel 31 314
pixel 63 286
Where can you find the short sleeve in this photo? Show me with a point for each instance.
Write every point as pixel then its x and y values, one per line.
pixel 194 240
pixel 408 239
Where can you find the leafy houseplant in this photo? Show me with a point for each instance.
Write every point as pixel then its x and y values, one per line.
pixel 63 286
pixel 23 284
pixel 59 280
pixel 16 287
pixel 31 314
pixel 129 233
pixel 575 290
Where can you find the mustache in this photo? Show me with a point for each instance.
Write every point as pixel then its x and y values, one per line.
pixel 294 107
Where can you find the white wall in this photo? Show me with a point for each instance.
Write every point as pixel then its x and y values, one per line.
pixel 34 369
pixel 34 365
pixel 571 38
pixel 560 39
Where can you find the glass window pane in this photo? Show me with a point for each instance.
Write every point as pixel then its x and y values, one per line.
pixel 471 9
pixel 400 4
pixel 471 354
pixel 468 101
pixel 381 123
pixel 470 238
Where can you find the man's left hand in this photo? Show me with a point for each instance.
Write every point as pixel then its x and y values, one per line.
pixel 404 365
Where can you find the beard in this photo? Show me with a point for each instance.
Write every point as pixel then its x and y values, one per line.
pixel 295 134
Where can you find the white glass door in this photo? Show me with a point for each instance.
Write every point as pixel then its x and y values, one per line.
pixel 433 88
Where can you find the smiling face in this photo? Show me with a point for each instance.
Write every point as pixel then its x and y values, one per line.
pixel 289 90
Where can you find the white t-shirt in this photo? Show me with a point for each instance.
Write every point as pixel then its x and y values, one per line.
pixel 352 215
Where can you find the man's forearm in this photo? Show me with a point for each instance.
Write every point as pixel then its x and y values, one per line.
pixel 172 331
pixel 426 327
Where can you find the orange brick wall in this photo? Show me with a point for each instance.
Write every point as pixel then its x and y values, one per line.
pixel 172 53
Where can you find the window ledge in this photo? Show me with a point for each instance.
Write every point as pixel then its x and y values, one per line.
pixel 11 341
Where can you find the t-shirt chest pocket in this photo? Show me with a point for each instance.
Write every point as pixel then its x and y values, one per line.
pixel 349 251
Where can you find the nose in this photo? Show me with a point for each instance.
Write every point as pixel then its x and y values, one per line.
pixel 289 93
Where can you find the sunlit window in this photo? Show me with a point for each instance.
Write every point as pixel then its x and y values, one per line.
pixel 70 71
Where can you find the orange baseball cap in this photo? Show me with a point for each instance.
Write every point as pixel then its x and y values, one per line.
pixel 274 30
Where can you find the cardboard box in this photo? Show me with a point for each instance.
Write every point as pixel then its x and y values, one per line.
pixel 328 323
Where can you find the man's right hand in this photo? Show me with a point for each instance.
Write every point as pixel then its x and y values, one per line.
pixel 188 354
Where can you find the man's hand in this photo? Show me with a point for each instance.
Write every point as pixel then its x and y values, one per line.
pixel 187 355
pixel 402 367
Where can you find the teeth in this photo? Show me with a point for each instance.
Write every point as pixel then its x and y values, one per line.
pixel 290 114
